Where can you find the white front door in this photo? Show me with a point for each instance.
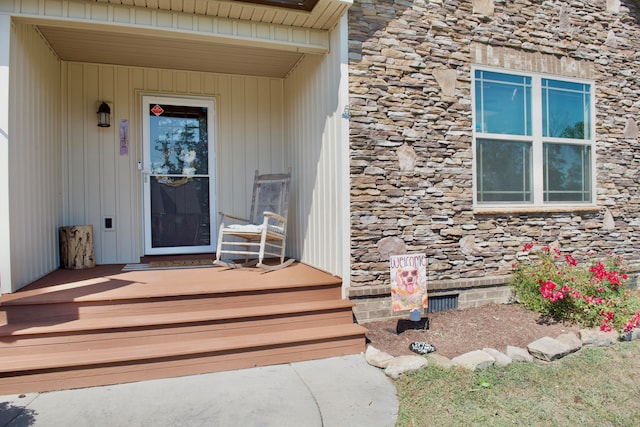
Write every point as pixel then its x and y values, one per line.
pixel 179 175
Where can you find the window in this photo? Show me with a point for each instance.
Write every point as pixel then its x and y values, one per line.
pixel 533 140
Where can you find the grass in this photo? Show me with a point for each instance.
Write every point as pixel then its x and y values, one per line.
pixel 593 387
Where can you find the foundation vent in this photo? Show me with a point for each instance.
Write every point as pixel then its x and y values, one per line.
pixel 442 303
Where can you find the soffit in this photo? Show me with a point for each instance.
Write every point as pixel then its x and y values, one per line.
pixel 252 42
pixel 317 14
pixel 108 47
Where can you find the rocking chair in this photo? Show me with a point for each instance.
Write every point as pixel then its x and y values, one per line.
pixel 264 233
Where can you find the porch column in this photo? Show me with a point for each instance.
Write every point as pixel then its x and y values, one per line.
pixel 345 155
pixel 5 237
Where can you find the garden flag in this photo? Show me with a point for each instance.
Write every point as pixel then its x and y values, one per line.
pixel 409 282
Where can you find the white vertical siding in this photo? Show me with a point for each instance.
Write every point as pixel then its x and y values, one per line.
pixel 102 183
pixel 315 98
pixel 5 130
pixel 35 171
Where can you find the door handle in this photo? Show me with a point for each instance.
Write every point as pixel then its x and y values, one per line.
pixel 145 173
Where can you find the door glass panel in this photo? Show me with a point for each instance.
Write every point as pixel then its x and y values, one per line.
pixel 179 140
pixel 179 181
pixel 179 212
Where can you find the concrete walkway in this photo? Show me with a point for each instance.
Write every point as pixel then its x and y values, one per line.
pixel 340 391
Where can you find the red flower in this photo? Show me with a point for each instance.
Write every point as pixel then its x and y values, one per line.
pixel 598 271
pixel 547 290
pixel 632 323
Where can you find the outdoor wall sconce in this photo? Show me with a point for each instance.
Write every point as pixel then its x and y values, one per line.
pixel 104 115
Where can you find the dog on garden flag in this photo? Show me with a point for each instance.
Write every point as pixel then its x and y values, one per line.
pixel 409 292
pixel 407 280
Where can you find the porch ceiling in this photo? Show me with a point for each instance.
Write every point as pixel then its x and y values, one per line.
pixel 105 43
pixel 94 46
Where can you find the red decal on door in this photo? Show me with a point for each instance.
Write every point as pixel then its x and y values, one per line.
pixel 157 110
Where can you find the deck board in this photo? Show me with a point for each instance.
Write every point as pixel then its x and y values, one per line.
pixel 166 345
pixel 169 315
pixel 108 283
pixel 105 375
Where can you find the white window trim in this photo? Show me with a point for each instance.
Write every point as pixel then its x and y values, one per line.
pixel 536 138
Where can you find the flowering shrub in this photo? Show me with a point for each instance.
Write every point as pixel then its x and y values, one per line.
pixel 593 294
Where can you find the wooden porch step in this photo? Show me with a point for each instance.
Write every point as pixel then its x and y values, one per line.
pixel 14 348
pixel 150 314
pixel 197 282
pixel 132 326
pixel 40 381
pixel 101 353
pixel 245 294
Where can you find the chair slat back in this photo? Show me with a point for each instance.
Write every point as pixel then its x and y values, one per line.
pixel 270 193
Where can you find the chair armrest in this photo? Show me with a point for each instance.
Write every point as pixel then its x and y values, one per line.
pixel 275 216
pixel 226 215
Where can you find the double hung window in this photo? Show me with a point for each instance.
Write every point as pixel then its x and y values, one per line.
pixel 533 139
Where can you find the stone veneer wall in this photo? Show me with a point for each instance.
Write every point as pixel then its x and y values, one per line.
pixel 410 137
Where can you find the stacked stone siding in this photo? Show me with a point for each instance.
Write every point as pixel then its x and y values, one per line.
pixel 411 137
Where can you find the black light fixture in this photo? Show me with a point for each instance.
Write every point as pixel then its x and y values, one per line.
pixel 104 115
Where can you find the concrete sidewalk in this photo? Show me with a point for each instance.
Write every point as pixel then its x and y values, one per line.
pixel 340 391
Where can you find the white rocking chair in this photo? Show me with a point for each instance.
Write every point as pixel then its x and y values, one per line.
pixel 264 234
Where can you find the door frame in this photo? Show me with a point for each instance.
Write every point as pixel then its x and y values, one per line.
pixel 145 168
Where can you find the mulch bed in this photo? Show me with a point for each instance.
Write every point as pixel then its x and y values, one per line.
pixel 455 332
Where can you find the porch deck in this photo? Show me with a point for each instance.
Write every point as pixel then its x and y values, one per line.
pixel 79 328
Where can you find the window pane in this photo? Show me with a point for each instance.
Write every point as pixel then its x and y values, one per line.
pixel 503 103
pixel 566 109
pixel 504 171
pixel 567 173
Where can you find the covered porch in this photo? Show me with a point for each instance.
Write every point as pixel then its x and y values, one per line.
pixel 271 75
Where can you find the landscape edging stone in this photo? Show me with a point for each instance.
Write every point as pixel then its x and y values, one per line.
pixel 588 337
